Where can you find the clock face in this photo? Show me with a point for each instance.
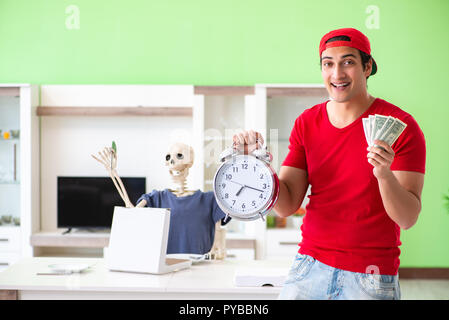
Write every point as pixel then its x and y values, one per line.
pixel 244 187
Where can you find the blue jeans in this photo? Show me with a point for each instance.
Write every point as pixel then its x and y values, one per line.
pixel 310 279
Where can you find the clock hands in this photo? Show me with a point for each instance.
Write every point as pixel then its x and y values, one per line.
pixel 254 188
pixel 241 188
pixel 244 186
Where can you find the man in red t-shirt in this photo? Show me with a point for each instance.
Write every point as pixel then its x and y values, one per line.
pixel 361 196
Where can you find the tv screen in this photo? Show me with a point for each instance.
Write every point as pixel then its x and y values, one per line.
pixel 88 202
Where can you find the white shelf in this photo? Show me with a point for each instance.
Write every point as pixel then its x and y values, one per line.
pixel 115 111
pixel 101 240
pixel 73 240
pixel 19 102
pixel 9 182
pixel 9 227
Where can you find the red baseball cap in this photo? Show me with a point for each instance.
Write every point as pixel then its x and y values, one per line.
pixel 356 40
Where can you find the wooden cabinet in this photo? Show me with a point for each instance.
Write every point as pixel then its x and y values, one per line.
pixel 282 243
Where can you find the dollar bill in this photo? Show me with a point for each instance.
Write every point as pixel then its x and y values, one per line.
pixel 365 122
pixel 379 121
pixel 381 127
pixel 387 124
pixel 392 134
pixel 371 126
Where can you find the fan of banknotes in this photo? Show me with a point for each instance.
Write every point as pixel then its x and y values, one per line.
pixel 380 127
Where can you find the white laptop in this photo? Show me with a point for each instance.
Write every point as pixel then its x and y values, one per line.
pixel 138 242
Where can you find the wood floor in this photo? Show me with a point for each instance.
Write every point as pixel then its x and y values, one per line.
pixel 420 289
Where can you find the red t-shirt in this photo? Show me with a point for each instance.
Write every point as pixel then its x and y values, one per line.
pixel 346 225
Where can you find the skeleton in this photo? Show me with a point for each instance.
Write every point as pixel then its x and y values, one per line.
pixel 179 159
pixel 108 157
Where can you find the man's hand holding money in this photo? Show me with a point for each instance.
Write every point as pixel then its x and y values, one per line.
pixel 381 132
pixel 381 159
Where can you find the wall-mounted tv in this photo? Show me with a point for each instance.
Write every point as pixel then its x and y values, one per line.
pixel 88 202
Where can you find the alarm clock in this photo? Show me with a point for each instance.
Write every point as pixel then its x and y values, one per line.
pixel 245 185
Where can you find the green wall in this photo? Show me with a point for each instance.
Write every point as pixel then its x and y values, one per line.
pixel 243 42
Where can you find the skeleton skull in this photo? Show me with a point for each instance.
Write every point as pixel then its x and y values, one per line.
pixel 178 160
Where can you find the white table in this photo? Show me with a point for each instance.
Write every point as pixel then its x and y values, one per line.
pixel 206 280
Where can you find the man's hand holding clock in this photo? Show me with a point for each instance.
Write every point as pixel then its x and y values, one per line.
pixel 248 141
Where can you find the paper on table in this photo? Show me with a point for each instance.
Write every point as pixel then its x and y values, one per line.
pixel 249 277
